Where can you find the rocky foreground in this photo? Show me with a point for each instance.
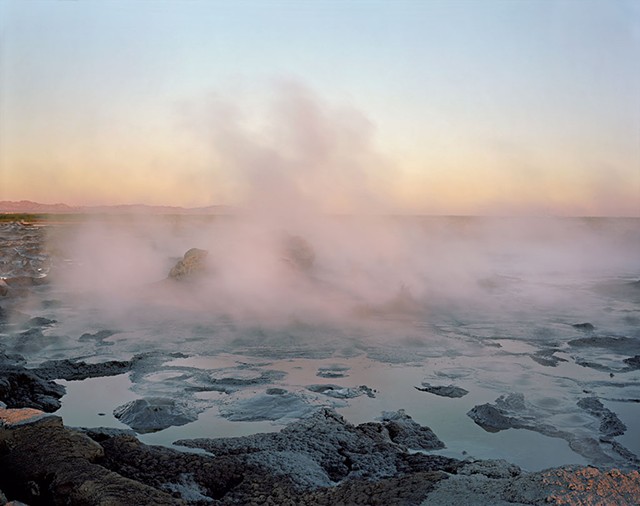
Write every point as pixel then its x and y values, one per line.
pixel 320 459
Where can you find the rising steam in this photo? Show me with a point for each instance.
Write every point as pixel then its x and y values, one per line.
pixel 308 173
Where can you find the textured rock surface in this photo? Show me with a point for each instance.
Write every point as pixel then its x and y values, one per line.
pixel 22 388
pixel 497 483
pixel 46 463
pixel 154 413
pixel 322 460
pixel 79 370
pixel 193 263
pixel 329 448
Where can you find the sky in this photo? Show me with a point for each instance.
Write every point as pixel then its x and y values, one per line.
pixel 406 106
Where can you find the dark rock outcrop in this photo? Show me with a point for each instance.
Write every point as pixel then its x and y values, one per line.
pixel 443 391
pixel 329 448
pixel 77 370
pixel 45 463
pixel 23 388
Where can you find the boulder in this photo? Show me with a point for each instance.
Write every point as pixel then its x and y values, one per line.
pixel 155 413
pixel 44 462
pixel 193 264
pixel 23 388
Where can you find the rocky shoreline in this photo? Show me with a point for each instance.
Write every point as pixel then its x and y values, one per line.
pixel 319 460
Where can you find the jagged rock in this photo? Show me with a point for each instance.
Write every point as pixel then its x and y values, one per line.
pixel 328 449
pixel 45 463
pixel 322 460
pixel 193 264
pixel 23 388
pixel 72 370
pixel 265 469
pixel 4 287
pixel 403 430
pixel 443 391
pixel 491 418
pixel 154 414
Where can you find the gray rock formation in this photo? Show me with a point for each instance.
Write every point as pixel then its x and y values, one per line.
pixel 154 414
pixel 443 391
pixel 73 370
pixel 329 449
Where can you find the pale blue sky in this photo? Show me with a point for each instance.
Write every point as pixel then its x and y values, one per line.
pixel 475 104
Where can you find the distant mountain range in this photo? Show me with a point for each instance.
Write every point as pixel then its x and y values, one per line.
pixel 27 206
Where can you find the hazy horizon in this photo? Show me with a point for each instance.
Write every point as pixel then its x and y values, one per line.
pixel 241 211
